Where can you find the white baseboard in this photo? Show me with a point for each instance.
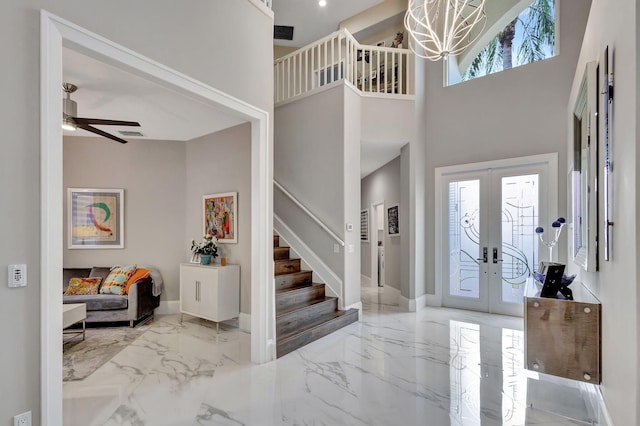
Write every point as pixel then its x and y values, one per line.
pixel 365 280
pixel 434 300
pixel 168 307
pixel 413 305
pixel 244 322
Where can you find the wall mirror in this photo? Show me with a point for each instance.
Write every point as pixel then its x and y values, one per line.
pixel 584 176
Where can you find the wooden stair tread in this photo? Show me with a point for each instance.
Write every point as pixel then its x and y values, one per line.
pixel 300 306
pixel 293 275
pixel 296 288
pixel 321 320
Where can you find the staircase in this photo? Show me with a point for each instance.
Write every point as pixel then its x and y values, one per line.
pixel 303 312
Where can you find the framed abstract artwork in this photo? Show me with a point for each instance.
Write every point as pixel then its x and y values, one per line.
pixel 393 220
pixel 364 225
pixel 95 218
pixel 220 216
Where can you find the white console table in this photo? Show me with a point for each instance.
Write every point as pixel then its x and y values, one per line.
pixel 211 292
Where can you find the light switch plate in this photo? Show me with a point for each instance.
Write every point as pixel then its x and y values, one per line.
pixel 17 275
pixel 336 248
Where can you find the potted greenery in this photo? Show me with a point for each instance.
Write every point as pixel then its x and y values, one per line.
pixel 207 249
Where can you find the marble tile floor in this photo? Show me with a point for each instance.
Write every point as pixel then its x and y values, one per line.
pixel 435 367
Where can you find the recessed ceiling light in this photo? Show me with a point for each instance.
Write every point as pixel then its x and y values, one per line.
pixel 322 3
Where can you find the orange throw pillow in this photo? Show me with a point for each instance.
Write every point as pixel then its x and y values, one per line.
pixel 139 274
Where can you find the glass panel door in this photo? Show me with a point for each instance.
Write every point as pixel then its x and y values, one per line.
pixel 490 245
pixel 467 287
pixel 518 255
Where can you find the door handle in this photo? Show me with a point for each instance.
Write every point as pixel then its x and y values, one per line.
pixel 485 255
pixel 495 255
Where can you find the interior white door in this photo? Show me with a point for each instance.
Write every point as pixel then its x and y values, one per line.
pixel 489 245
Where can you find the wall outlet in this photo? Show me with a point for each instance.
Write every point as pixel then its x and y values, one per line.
pixel 17 275
pixel 23 419
pixel 351 248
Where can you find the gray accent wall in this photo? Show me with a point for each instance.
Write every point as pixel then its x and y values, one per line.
pixel 152 174
pixel 216 163
pixel 198 38
pixel 383 185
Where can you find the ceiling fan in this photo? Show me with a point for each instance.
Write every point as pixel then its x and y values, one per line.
pixel 71 122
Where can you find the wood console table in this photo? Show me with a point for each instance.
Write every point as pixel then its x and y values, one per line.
pixel 562 337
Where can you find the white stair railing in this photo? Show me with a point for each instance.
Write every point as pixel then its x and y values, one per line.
pixel 339 56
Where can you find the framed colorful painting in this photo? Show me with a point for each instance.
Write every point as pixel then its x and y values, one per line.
pixel 220 216
pixel 95 218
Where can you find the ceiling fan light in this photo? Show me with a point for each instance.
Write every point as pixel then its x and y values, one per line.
pixel 69 124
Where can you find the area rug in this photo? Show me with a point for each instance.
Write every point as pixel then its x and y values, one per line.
pixel 80 357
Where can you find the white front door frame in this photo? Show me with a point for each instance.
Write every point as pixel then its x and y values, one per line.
pixel 57 33
pixel 551 159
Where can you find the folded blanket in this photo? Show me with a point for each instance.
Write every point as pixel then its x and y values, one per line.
pixel 158 284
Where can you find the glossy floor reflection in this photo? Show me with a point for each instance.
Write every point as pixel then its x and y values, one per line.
pixel 436 367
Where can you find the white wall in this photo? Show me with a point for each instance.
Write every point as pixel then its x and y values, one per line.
pixel 514 113
pixel 351 169
pixel 616 283
pixel 388 119
pixel 383 185
pixel 309 163
pixel 152 173
pixel 317 159
pixel 198 37
pixel 221 162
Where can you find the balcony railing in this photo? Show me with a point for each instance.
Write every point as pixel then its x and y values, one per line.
pixel 371 69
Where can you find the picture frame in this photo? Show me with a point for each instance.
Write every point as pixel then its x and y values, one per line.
pixel 220 216
pixel 195 258
pixel 607 185
pixel 364 225
pixel 584 215
pixel 95 218
pixel 393 220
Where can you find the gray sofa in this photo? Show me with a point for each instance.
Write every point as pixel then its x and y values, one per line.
pixel 143 297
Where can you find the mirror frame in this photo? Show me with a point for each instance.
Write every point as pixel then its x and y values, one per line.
pixel 584 176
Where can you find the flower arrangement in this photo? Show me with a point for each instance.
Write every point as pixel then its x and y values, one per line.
pixel 207 246
pixel 557 225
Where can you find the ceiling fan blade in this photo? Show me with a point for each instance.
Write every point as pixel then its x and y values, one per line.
pixel 101 122
pixel 100 132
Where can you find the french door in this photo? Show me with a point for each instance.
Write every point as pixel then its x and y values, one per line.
pixel 488 242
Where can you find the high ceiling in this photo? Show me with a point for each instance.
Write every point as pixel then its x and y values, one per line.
pixel 311 21
pixel 112 93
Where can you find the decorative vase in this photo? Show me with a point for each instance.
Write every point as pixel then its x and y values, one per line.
pixel 205 259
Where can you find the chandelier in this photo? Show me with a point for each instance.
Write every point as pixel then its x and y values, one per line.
pixel 440 28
